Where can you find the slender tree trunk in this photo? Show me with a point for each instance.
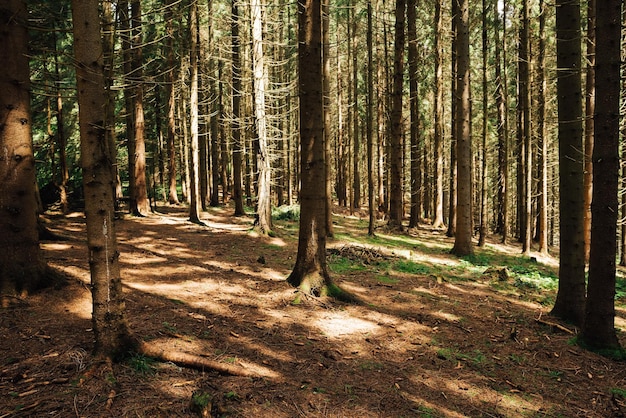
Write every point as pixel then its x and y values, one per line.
pixel 503 152
pixel 22 267
pixel 356 143
pixel 264 207
pixel 61 141
pixel 139 204
pixel 542 224
pixel 484 222
pixel 171 107
pixel 453 177
pixel 570 300
pixel 438 105
pixel 236 124
pixel 327 113
pixel 524 135
pixel 194 184
pixel 396 200
pixel 369 123
pixel 463 237
pixel 590 97
pixel 110 325
pixel 598 330
pixel 415 152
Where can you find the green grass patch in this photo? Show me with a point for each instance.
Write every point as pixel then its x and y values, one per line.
pixel 411 267
pixel 386 279
pixel 619 392
pixel 286 213
pixel 341 265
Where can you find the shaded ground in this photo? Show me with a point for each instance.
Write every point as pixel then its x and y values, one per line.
pixel 436 338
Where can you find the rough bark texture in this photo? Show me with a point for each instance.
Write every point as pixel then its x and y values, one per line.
pixel 171 108
pixel 396 201
pixel 310 273
pixel 238 148
pixel 110 326
pixel 264 206
pixel 570 301
pixel 590 98
pixel 21 263
pixel 599 325
pixel 194 184
pixel 416 202
pixel 463 237
pixel 438 105
pixel 139 204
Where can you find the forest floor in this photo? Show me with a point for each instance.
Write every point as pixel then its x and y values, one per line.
pixel 436 336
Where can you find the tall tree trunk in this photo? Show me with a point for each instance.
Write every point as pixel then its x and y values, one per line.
pixel 396 201
pixel 570 300
pixel 22 266
pixel 502 223
pixel 369 122
pixel 438 105
pixel 264 208
pixel 194 183
pixel 463 237
pixel 236 124
pixel 484 223
pixel 61 141
pixel 139 204
pixel 327 113
pixel 171 106
pixel 310 273
pixel 356 143
pixel 525 148
pixel 415 153
pixel 598 330
pixel 590 97
pixel 109 321
pixel 542 224
pixel 453 177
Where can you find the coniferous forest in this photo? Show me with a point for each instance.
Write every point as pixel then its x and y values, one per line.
pixel 278 209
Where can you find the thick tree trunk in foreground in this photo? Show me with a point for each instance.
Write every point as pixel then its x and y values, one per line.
pixel 110 326
pixel 598 330
pixel 310 273
pixel 21 263
pixel 570 300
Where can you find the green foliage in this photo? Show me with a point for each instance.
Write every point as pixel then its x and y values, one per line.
pixel 478 259
pixel 286 213
pixel 410 267
pixel 141 364
pixel 619 392
pixel 342 265
pixel 232 396
pixel 386 279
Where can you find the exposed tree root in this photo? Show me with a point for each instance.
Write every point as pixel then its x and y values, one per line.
pixel 193 361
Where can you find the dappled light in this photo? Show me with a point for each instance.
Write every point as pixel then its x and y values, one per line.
pixel 435 335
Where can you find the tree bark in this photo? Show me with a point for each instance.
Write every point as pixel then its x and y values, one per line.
pixel 109 321
pixel 438 128
pixel 236 124
pixel 570 300
pixel 598 331
pixel 590 92
pixel 310 273
pixel 415 152
pixel 463 237
pixel 194 179
pixel 396 201
pixel 21 262
pixel 264 207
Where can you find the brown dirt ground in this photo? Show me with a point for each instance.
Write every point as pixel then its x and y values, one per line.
pixel 419 347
